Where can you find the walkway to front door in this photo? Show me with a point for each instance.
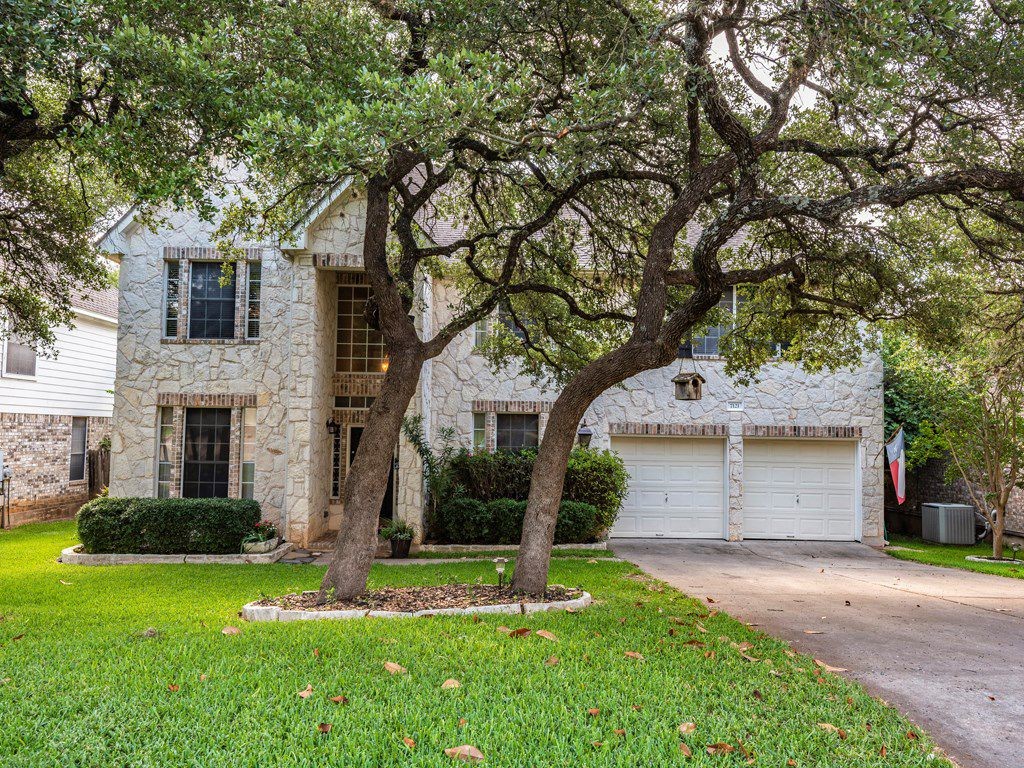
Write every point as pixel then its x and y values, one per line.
pixel 945 647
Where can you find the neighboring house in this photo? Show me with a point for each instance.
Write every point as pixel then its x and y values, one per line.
pixel 55 407
pixel 258 385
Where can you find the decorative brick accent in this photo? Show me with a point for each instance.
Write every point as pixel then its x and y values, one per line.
pixel 342 261
pixel 235 455
pixel 184 400
pixel 793 430
pixel 358 384
pixel 201 253
pixel 37 447
pixel 652 429
pixel 512 406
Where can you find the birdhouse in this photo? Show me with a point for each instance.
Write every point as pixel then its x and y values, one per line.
pixel 689 386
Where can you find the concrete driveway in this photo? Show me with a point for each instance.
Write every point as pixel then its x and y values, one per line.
pixel 945 647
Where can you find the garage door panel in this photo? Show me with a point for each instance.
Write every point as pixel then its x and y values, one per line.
pixel 799 489
pixel 676 487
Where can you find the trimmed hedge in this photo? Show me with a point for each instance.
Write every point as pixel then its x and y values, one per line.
pixel 501 482
pixel 166 526
pixel 500 521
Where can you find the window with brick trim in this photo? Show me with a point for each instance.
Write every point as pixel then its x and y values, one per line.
pixel 211 304
pixel 517 431
pixel 360 348
pixel 19 359
pixel 206 463
pixel 164 448
pixel 252 315
pixel 248 479
pixel 479 431
pixel 172 297
pixel 79 435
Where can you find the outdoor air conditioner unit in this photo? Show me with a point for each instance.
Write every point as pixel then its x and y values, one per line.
pixel 947 523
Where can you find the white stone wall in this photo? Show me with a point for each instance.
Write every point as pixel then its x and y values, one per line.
pixel 785 395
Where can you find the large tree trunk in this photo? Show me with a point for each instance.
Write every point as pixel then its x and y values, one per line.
pixel 367 481
pixel 548 478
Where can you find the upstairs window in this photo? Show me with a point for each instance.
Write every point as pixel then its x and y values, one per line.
pixel 19 359
pixel 79 435
pixel 252 314
pixel 517 431
pixel 360 348
pixel 172 298
pixel 708 345
pixel 211 310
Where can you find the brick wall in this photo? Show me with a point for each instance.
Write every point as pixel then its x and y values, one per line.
pixel 928 484
pixel 37 447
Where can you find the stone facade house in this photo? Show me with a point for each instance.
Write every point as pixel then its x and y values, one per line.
pixel 55 408
pixel 258 385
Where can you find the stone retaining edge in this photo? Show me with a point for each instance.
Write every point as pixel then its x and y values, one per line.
pixel 254 612
pixel 70 556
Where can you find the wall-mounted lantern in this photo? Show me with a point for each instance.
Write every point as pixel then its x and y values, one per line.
pixel 689 386
pixel 584 435
pixel 384 364
pixel 333 427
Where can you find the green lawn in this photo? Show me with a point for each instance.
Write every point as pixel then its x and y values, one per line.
pixel 490 554
pixel 81 684
pixel 952 556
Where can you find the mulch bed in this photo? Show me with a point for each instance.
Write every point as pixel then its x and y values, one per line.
pixel 408 599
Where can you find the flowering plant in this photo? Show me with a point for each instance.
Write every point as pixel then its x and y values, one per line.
pixel 264 530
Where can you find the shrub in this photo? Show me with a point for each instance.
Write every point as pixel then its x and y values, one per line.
pixel 465 521
pixel 166 526
pixel 506 520
pixel 577 522
pixel 597 478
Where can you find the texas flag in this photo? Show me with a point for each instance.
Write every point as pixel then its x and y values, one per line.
pixel 896 453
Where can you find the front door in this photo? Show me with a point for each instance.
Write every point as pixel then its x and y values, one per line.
pixel 386 508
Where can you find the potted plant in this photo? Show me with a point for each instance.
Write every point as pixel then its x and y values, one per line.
pixel 263 539
pixel 400 535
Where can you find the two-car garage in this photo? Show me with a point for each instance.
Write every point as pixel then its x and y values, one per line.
pixel 792 488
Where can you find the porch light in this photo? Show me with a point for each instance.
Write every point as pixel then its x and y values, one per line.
pixel 499 567
pixel 584 435
pixel 384 363
pixel 333 427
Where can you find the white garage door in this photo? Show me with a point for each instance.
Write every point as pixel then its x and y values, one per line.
pixel 799 489
pixel 676 488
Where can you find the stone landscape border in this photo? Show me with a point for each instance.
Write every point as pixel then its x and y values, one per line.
pixel 990 561
pixel 74 556
pixel 470 548
pixel 254 612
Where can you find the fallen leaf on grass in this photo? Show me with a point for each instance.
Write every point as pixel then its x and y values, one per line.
pixel 687 728
pixel 699 643
pixel 637 707
pixel 757 695
pixel 634 655
pixel 462 721
pixel 411 744
pixel 65 583
pixel 521 632
pixel 340 700
pixel 911 735
pixel 744 646
pixel 231 631
pixel 546 635
pixel 316 653
pixel 748 657
pixel 324 727
pixel 709 654
pixel 451 682
pixel 791 763
pixel 504 630
pixel 173 688
pixel 832 729
pixel 466 753
pixel 305 694
pixel 720 748
pixel 552 661
pixel 700 627
pixel 687 752
pixel 203 677
pixel 882 751
pixel 394 669
pixel 593 711
pixel 829 668
pixel 17 637
pixel 710 599
pixel 597 744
